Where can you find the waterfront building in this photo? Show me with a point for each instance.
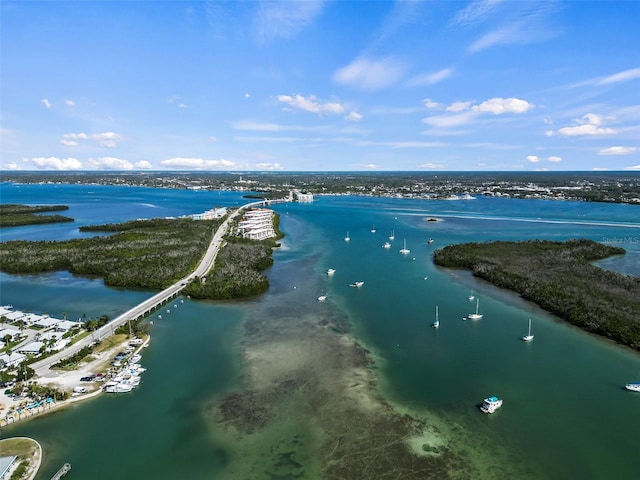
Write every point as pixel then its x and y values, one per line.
pixel 213 214
pixel 11 360
pixel 303 197
pixel 257 224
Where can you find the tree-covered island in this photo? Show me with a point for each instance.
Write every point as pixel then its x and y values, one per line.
pixel 558 277
pixel 12 215
pixel 151 254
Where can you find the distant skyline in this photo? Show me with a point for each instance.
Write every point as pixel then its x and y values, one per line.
pixel 410 85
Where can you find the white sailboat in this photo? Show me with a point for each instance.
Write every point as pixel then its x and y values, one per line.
pixel 405 250
pixel 386 245
pixel 436 324
pixel 528 337
pixel 475 316
pixel 347 238
pixel 392 236
pixel 373 230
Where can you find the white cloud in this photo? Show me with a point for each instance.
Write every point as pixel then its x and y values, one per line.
pixel 430 78
pixel 46 103
pixel 498 106
pixel 143 165
pixel 554 159
pixel 212 139
pixel 475 12
pixel 431 105
pixel 503 35
pixel 450 120
pixel 533 158
pixel 623 76
pixel 54 163
pixel 11 166
pixel 70 103
pixel 105 139
pixel 433 166
pixel 354 117
pixel 635 167
pixel 110 163
pixel 247 95
pixel 198 163
pixel 285 18
pixel 371 166
pixel 269 166
pixel 370 74
pixel 589 124
pixel 617 150
pixel 311 104
pixel 458 107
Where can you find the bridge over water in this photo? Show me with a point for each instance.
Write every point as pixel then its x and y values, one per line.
pixel 159 299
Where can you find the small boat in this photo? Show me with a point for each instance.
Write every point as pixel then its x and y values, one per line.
pixel 322 298
pixel 634 387
pixel 471 297
pixel 356 284
pixel 386 245
pixel 373 230
pixel 331 271
pixel 491 404
pixel 404 250
pixel 392 236
pixel 528 337
pixel 430 241
pixel 475 316
pixel 436 324
pixel 347 238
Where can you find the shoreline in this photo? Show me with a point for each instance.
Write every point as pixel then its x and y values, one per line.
pixel 64 380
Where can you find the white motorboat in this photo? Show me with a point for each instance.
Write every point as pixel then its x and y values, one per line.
pixel 528 337
pixel 356 284
pixel 634 387
pixel 491 404
pixel 331 271
pixel 117 387
pixel 386 245
pixel 436 324
pixel 477 315
pixel 404 250
pixel 322 298
pixel 430 241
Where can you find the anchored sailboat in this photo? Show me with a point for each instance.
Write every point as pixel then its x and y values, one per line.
pixel 436 324
pixel 475 316
pixel 528 337
pixel 405 250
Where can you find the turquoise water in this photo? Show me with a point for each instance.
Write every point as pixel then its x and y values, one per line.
pixel 565 413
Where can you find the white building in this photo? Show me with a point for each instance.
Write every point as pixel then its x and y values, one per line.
pixel 47 322
pixel 9 331
pixel 257 224
pixel 212 214
pixel 32 348
pixel 64 326
pixel 303 197
pixel 14 316
pixel 11 360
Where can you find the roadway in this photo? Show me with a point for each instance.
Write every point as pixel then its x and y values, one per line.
pixel 206 263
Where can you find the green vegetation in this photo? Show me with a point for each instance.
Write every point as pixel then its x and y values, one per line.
pixel 238 267
pixel 236 273
pixel 142 253
pixel 559 277
pixel 12 215
pixel 73 359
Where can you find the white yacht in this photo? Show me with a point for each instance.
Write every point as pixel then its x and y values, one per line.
pixel 322 298
pixel 634 387
pixel 491 404
pixel 475 316
pixel 117 387
pixel 528 337
pixel 404 250
pixel 331 271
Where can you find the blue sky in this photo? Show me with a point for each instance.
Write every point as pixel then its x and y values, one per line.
pixel 484 85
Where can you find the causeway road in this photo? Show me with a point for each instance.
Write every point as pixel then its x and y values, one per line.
pixel 42 367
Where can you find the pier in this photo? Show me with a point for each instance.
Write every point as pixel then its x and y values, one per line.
pixel 62 472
